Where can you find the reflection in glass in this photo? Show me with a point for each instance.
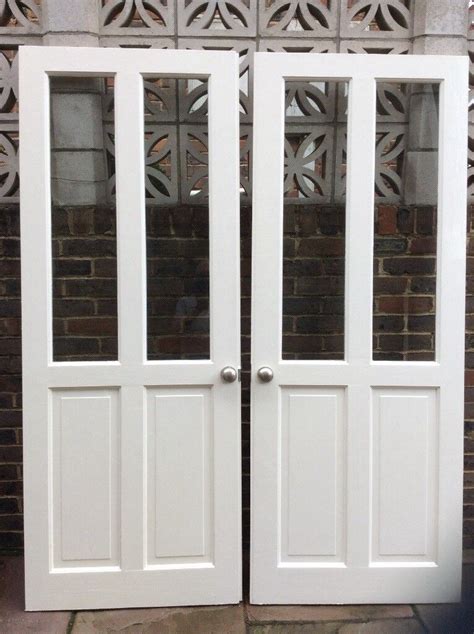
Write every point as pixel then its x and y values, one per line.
pixel 83 219
pixel 314 220
pixel 406 185
pixel 177 218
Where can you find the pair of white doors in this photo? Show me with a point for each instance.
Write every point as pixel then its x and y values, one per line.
pixel 132 468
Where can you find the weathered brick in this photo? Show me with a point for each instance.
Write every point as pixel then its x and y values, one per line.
pixel 90 247
pixel 388 323
pixel 11 522
pixel 181 220
pixel 405 220
pixel 96 326
pixel 75 346
pixel 320 286
pixel 409 266
pixel 320 247
pixel 70 267
pixel 426 220
pixel 9 247
pixel 73 307
pixel 8 505
pixel 319 324
pixel 298 343
pixel 101 287
pixel 402 342
pixel 421 323
pixel 392 246
pixel 302 267
pixel 387 220
pixel 423 246
pixel 423 285
pixel 81 221
pixel 392 285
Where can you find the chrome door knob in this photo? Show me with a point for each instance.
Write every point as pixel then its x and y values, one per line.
pixel 229 374
pixel 265 374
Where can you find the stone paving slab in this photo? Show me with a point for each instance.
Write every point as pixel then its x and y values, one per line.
pixel 387 626
pixel 13 618
pixel 209 620
pixel 288 613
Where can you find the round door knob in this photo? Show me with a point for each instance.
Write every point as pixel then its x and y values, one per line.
pixel 229 374
pixel 265 374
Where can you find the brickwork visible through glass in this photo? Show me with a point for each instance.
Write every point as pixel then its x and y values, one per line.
pixel 314 220
pixel 405 232
pixel 83 221
pixel 177 218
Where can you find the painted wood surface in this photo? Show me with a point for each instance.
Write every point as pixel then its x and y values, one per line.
pixel 357 464
pixel 132 467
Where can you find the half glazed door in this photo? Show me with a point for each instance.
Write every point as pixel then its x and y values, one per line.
pixel 132 466
pixel 357 346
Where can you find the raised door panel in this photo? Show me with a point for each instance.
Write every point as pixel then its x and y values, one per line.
pixel 179 475
pixel 85 490
pixel 405 474
pixel 313 475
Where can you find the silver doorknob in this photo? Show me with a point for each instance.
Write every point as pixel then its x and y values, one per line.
pixel 265 374
pixel 229 374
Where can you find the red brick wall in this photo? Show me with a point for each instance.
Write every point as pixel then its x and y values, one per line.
pixel 85 307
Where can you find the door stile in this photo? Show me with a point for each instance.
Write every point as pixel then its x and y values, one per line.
pixel 223 121
pixel 131 242
pixel 224 310
pixel 452 206
pixel 131 296
pixel 358 312
pixel 36 310
pixel 267 232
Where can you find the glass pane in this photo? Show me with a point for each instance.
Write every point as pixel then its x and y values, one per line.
pixel 83 220
pixel 314 220
pixel 176 186
pixel 406 184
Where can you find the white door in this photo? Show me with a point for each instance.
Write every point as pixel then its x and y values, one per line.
pixel 357 464
pixel 132 467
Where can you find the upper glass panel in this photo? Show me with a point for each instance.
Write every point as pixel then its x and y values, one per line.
pixel 406 205
pixel 314 220
pixel 83 219
pixel 177 218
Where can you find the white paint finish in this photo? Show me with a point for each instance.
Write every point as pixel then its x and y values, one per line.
pixel 126 579
pixel 312 474
pixel 179 452
pixel 405 432
pixel 85 477
pixel 359 577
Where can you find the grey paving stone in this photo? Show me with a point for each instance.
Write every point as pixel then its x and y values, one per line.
pixel 294 628
pixel 392 626
pixel 288 613
pixel 387 626
pixel 13 618
pixel 208 620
